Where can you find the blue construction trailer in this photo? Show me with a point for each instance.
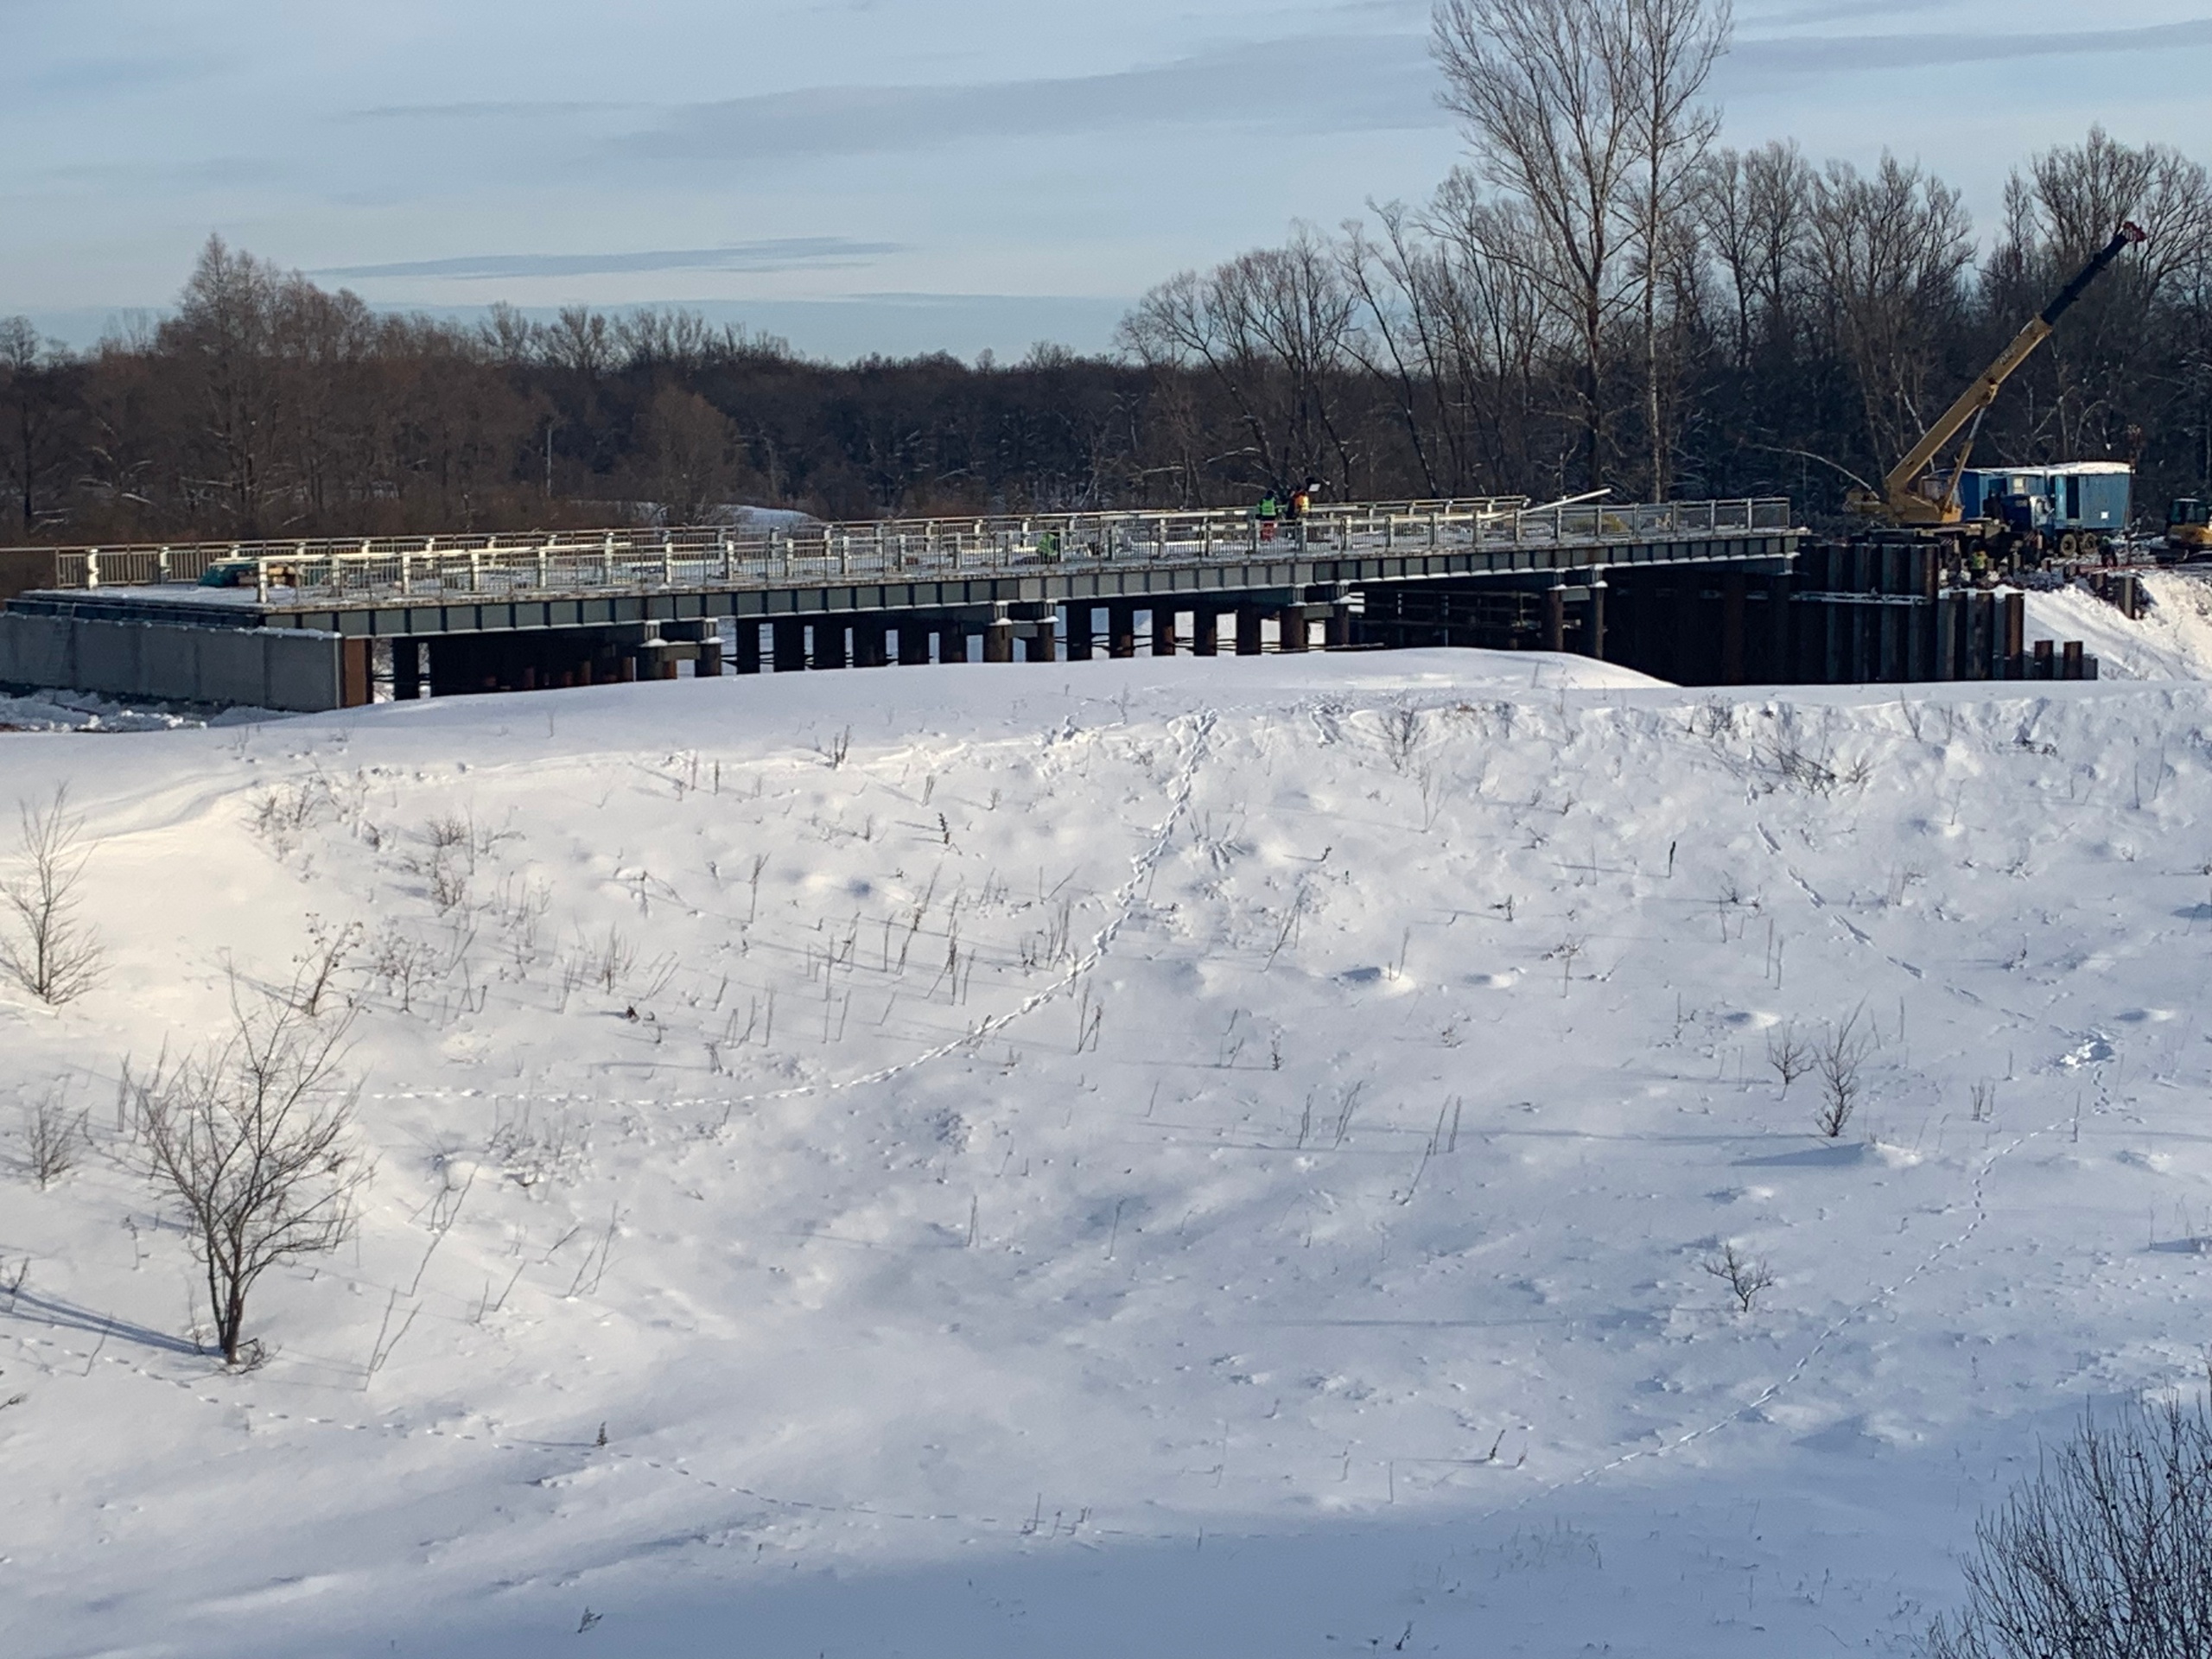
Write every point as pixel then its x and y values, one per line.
pixel 2078 506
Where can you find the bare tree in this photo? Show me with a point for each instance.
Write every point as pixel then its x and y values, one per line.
pixel 690 449
pixel 1788 1054
pixel 1547 95
pixel 1668 52
pixel 49 949
pixel 1888 251
pixel 1746 1276
pixel 1838 1058
pixel 2105 1554
pixel 251 1141
pixel 53 1138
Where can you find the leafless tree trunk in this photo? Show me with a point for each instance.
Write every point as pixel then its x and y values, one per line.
pixel 49 949
pixel 1547 95
pixel 1668 52
pixel 251 1141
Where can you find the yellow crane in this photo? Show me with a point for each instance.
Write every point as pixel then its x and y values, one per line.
pixel 1912 494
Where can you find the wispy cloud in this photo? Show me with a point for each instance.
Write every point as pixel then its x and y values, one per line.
pixel 783 253
pixel 1314 84
pixel 1843 53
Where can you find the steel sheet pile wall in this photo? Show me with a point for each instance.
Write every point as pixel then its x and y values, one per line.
pixel 262 668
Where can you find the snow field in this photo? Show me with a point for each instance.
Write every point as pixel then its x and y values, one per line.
pixel 1170 1157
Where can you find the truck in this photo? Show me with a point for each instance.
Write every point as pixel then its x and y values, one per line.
pixel 2074 509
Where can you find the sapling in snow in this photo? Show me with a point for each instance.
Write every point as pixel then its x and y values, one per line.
pixel 1746 1276
pixel 1838 1059
pixel 46 946
pixel 252 1142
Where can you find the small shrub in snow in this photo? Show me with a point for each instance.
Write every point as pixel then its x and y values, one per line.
pixel 46 947
pixel 1838 1060
pixel 1746 1276
pixel 52 1139
pixel 2105 1553
pixel 1788 1055
pixel 1401 735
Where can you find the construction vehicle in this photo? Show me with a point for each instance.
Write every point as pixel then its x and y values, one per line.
pixel 1913 494
pixel 2073 510
pixel 2188 530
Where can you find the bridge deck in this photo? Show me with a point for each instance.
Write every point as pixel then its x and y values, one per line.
pixel 446 585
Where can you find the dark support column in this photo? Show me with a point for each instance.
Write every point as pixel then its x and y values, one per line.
pixel 1682 610
pixel 710 659
pixel 1247 629
pixel 1163 631
pixel 871 644
pixel 355 687
pixel 1554 619
pixel 1040 646
pixel 1337 627
pixel 829 645
pixel 1731 627
pixel 1206 632
pixel 1121 630
pixel 791 645
pixel 1079 626
pixel 1593 623
pixel 952 642
pixel 998 641
pixel 1780 666
pixel 748 646
pixel 1291 629
pixel 913 642
pixel 406 669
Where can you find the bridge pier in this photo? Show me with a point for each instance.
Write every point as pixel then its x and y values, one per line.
pixel 1247 629
pixel 1293 632
pixel 952 642
pixel 998 640
pixel 1163 631
pixel 913 642
pixel 747 654
pixel 1121 630
pixel 871 642
pixel 790 635
pixel 1080 618
pixel 1206 632
pixel 406 669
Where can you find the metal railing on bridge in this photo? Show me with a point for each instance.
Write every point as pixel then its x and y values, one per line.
pixel 801 552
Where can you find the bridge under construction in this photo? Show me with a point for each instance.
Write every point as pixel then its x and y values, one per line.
pixel 1697 591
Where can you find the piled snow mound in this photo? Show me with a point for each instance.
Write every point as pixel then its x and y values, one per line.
pixel 1127 1157
pixel 2170 641
pixel 85 711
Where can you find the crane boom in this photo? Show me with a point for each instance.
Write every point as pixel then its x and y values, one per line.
pixel 1898 499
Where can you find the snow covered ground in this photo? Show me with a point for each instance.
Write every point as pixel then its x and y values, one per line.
pixel 2172 641
pixel 1177 1158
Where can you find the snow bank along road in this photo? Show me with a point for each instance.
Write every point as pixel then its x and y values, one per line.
pixel 1187 1161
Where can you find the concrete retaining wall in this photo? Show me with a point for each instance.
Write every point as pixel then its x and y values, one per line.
pixel 265 668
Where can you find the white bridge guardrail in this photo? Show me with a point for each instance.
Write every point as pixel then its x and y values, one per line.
pixel 398 569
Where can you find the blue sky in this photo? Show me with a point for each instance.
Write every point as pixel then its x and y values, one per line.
pixel 886 175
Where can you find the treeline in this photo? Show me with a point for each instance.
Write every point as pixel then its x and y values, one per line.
pixel 1602 298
